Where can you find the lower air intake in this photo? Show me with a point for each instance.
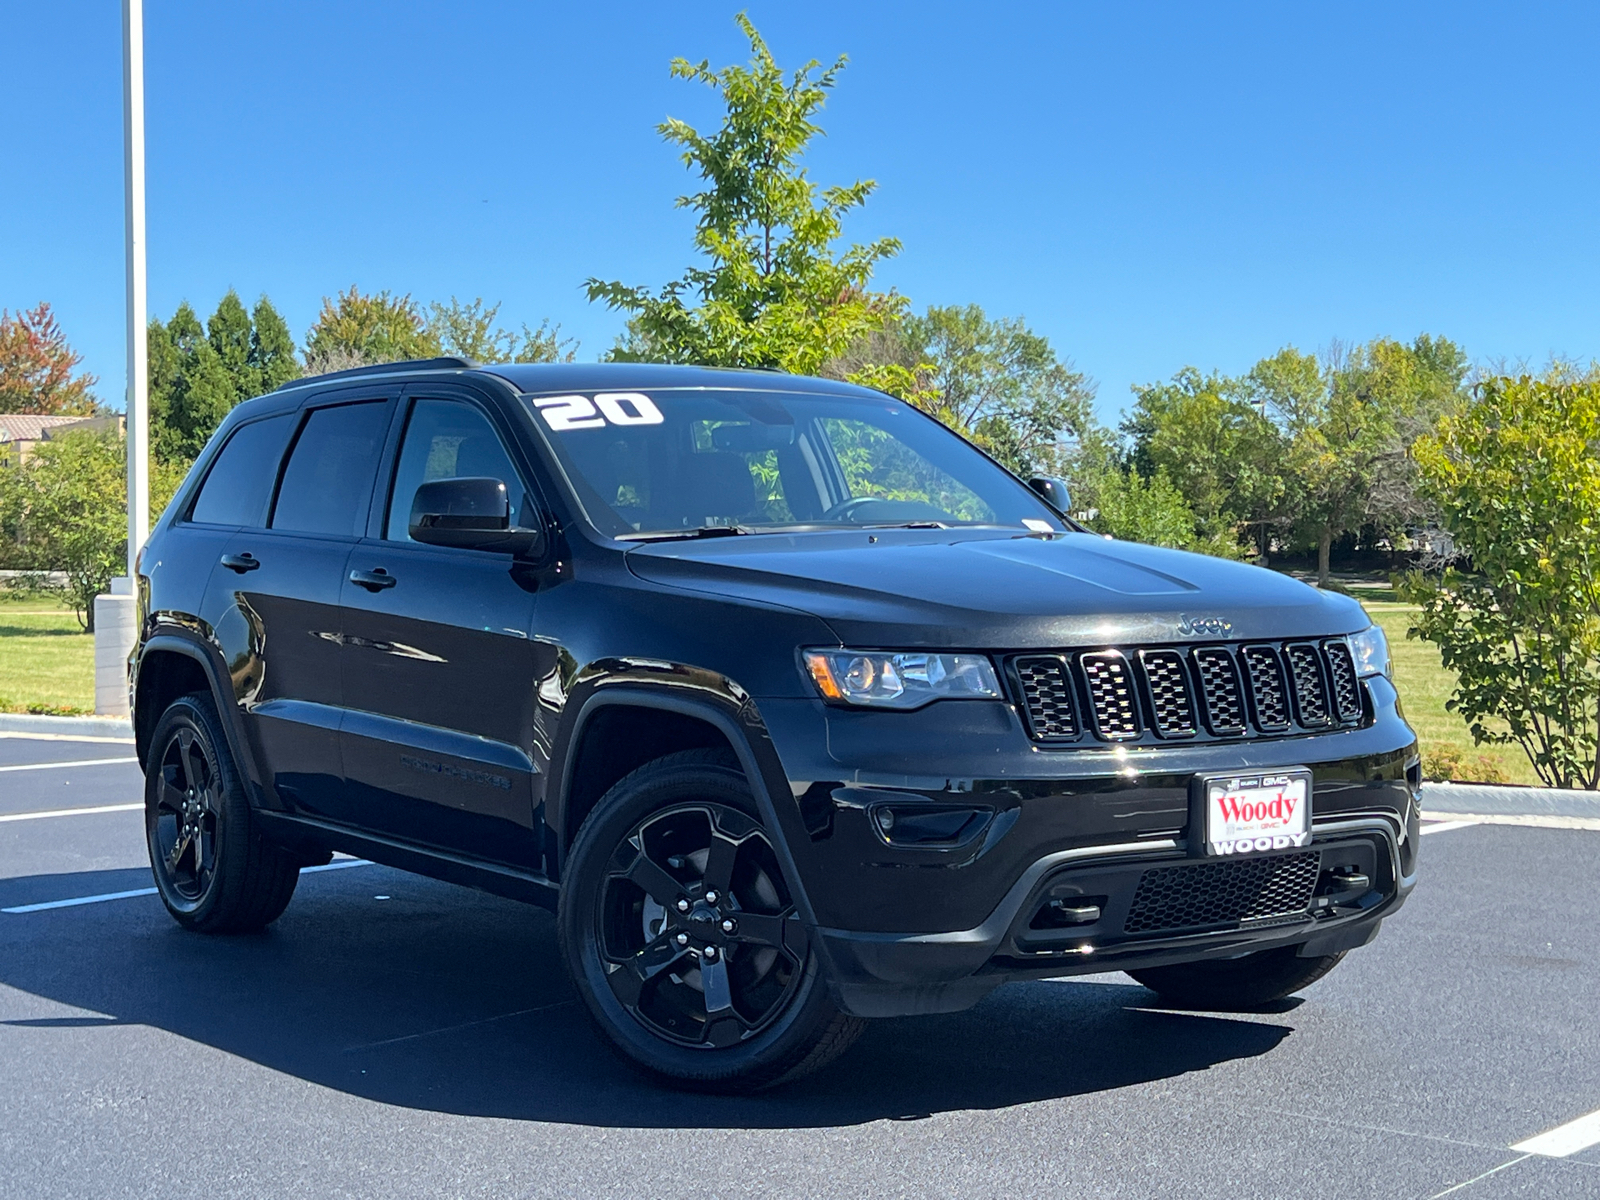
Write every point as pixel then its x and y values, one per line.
pixel 1170 899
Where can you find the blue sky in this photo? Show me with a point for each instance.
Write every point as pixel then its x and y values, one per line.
pixel 1150 186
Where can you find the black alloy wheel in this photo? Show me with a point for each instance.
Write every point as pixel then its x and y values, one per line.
pixel 684 937
pixel 698 933
pixel 183 836
pixel 213 870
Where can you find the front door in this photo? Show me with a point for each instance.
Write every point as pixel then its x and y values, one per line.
pixel 440 666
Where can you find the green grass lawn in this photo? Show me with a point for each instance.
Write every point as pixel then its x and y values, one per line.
pixel 1424 686
pixel 46 660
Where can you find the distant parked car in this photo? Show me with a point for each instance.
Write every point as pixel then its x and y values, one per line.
pixel 794 707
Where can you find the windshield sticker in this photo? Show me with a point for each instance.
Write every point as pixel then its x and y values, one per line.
pixel 566 413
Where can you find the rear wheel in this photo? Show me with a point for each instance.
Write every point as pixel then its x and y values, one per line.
pixel 213 870
pixel 1237 984
pixel 682 936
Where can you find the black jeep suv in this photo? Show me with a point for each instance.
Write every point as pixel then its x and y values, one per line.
pixel 795 707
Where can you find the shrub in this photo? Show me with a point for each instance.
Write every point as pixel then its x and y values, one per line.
pixel 1516 475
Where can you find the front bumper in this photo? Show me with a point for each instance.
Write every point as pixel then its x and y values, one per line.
pixel 879 974
pixel 932 926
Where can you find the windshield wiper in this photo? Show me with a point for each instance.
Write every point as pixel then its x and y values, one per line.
pixel 678 535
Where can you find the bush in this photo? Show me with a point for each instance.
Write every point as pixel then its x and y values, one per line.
pixel 1516 475
pixel 1447 762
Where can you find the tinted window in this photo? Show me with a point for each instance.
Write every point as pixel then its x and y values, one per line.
pixel 446 439
pixel 239 484
pixel 329 477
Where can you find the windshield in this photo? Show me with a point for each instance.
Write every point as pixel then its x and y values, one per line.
pixel 681 462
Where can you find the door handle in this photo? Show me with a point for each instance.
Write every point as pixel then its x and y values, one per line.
pixel 241 562
pixel 373 581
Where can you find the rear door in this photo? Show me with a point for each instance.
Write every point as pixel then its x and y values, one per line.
pixel 440 666
pixel 274 599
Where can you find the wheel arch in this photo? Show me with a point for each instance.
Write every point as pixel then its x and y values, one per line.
pixel 171 665
pixel 621 709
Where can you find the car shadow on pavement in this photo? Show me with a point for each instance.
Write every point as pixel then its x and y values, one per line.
pixel 415 993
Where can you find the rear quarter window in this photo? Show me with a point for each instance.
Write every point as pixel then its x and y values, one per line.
pixel 238 486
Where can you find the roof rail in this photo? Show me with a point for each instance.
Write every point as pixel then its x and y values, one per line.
pixel 442 363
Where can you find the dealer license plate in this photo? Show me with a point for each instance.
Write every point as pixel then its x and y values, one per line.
pixel 1251 814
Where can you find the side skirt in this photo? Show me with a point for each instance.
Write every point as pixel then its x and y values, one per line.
pixel 308 835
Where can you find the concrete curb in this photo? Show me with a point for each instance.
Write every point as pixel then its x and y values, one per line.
pixel 67 727
pixel 1485 799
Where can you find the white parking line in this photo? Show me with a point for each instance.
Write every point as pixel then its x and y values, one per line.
pixel 65 737
pixel 69 812
pixel 337 865
pixel 82 762
pixel 1565 1140
pixel 1447 826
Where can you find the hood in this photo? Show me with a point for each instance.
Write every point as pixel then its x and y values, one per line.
pixel 998 589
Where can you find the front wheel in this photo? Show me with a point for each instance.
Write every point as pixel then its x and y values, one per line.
pixel 1237 984
pixel 682 935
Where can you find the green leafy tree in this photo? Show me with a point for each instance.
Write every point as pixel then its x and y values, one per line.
pixel 1349 436
pixel 67 507
pixel 1218 450
pixel 773 291
pixel 38 369
pixel 355 329
pixel 470 330
pixel 198 373
pixel 1516 476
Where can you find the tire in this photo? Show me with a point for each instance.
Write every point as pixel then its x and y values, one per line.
pixel 213 870
pixel 1237 984
pixel 675 851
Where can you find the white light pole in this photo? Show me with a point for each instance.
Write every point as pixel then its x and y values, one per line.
pixel 116 615
pixel 138 407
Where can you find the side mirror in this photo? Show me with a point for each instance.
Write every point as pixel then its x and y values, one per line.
pixel 470 514
pixel 1053 492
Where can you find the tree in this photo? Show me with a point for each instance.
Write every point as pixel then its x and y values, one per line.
pixel 1219 451
pixel 469 330
pixel 992 380
pixel 68 506
pixel 1349 436
pixel 378 328
pixel 1516 477
pixel 773 292
pixel 38 368
pixel 197 374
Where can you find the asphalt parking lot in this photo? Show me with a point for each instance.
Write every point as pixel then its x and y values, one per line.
pixel 396 1037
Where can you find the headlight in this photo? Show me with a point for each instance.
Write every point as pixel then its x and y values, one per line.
pixel 884 680
pixel 1371 650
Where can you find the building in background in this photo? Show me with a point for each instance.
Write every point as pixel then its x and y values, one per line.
pixel 21 432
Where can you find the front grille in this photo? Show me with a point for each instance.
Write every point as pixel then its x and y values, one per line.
pixel 1111 701
pixel 1161 693
pixel 1346 688
pixel 1310 693
pixel 1047 692
pixel 1219 687
pixel 1268 695
pixel 1171 705
pixel 1170 899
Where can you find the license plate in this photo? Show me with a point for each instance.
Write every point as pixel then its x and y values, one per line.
pixel 1251 814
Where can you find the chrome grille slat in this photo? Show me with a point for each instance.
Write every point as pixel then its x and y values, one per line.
pixel 1111 700
pixel 1171 703
pixel 1047 691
